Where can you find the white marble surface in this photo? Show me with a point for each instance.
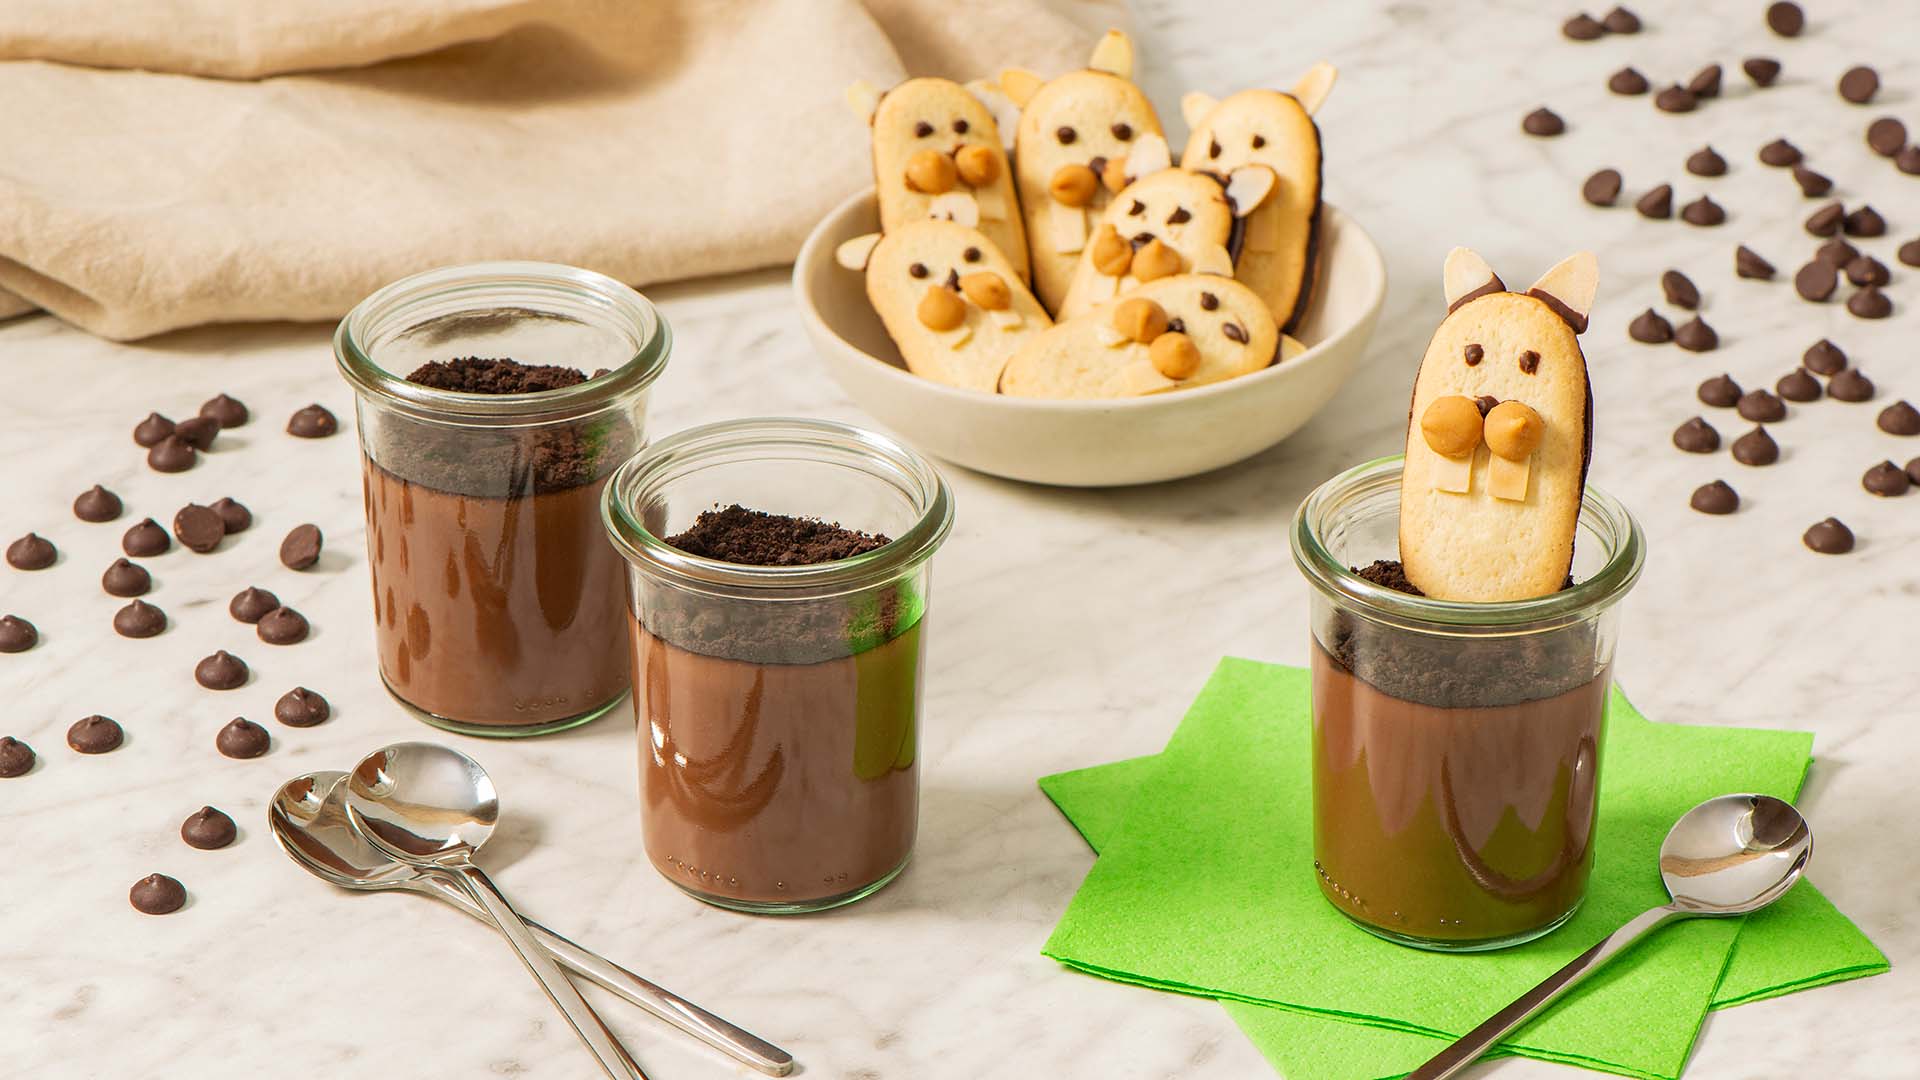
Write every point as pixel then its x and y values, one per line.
pixel 1071 627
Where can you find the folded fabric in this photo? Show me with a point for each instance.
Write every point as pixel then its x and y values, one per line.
pixel 648 141
pixel 1230 796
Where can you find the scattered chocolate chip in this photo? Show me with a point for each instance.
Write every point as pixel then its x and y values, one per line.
pixel 17 634
pixel 126 579
pixel 1650 328
pixel 1680 290
pixel 96 504
pixel 31 552
pixel 1696 436
pixel 1703 211
pixel 1705 82
pixel 1837 253
pixel 1867 270
pixel 1747 263
pixel 301 707
pixel 1859 83
pixel 1823 357
pixel 1913 470
pixel 1779 152
pixel 233 516
pixel 1827 220
pixel 199 528
pixel 1786 19
pixel 197 431
pixel 145 539
pixel 1473 354
pixel 1812 184
pixel 1815 281
pixel 1583 27
pixel 228 411
pixel 1715 498
pixel 16 757
pixel 1866 221
pixel 95 735
pixel 1909 253
pixel 1627 81
pixel 1829 537
pixel 250 604
pixel 221 671
pixel 1674 99
pixel 1798 385
pixel 1899 418
pixel 1756 447
pixel 1761 407
pixel 315 422
pixel 139 619
pixel 1621 21
pixel 1543 121
pixel 1908 160
pixel 282 626
pixel 1695 335
pixel 1886 479
pixel 1234 332
pixel 1602 188
pixel 208 829
pixel 1887 136
pixel 171 455
pixel 301 548
pixel 1762 70
pixel 1721 392
pixel 1657 203
pixel 1705 162
pixel 242 738
pixel 1870 303
pixel 150 431
pixel 1850 385
pixel 157 894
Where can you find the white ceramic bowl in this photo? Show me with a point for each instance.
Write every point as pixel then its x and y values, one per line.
pixel 1090 443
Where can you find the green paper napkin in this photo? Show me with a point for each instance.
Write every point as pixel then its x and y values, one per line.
pixel 1214 833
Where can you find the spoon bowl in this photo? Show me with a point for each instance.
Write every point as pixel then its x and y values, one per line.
pixel 1734 854
pixel 422 800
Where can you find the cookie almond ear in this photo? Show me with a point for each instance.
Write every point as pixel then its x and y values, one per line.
pixel 1020 85
pixel 1195 105
pixel 1113 54
pixel 863 98
pixel 1467 276
pixel 1006 114
pixel 1568 288
pixel 1314 86
pixel 853 254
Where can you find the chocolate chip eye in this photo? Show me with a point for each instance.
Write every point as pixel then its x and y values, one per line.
pixel 959 127
pixel 923 129
pixel 1208 301
pixel 1259 141
pixel 1234 332
pixel 1213 148
pixel 917 270
pixel 972 254
pixel 1066 135
pixel 1178 216
pixel 1122 132
pixel 1529 362
pixel 1137 208
pixel 1474 354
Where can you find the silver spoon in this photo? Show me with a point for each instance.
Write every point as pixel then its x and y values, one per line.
pixel 430 806
pixel 1728 856
pixel 308 818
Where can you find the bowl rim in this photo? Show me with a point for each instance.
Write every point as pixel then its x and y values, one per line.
pixel 810 314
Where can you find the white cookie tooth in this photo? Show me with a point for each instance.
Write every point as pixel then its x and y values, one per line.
pixel 1066 228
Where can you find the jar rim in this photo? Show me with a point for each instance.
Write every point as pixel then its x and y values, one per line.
pixel 908 470
pixel 1599 591
pixel 493 283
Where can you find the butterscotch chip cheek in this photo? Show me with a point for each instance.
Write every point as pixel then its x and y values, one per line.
pixel 940 309
pixel 1514 430
pixel 1451 425
pixel 1174 355
pixel 1073 185
pixel 931 172
pixel 977 165
pixel 1140 319
pixel 987 290
pixel 1155 260
pixel 1112 255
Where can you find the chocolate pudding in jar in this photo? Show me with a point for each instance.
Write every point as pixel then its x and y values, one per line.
pixel 779 583
pixel 494 402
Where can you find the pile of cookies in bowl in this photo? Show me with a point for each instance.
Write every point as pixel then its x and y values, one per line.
pixel 1033 250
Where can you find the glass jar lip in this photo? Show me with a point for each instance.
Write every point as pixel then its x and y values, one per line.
pixel 489 279
pixel 912 547
pixel 1598 592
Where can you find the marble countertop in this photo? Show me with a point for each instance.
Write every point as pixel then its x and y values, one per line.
pixel 1072 627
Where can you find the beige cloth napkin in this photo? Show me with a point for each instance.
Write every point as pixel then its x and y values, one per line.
pixel 647 139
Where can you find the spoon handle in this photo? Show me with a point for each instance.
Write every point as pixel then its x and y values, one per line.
pixel 585 1022
pixel 1470 1046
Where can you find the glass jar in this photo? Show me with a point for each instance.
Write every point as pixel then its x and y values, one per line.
pixel 498 604
pixel 1456 745
pixel 779 706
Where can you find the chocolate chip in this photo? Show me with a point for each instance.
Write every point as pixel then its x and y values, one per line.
pixel 1259 141
pixel 1899 418
pixel 1909 253
pixel 1829 537
pixel 282 626
pixel 1543 121
pixel 1815 281
pixel 301 707
pixel 1123 132
pixel 971 255
pixel 126 579
pixel 1473 354
pixel 1621 21
pixel 228 411
pixel 242 738
pixel 139 619
pixel 1812 184
pixel 1908 160
pixel 1721 392
pixel 1705 82
pixel 1066 135
pixel 234 517
pixel 171 455
pixel 150 431
pixel 1674 99
pixel 1627 81
pixel 16 757
pixel 1696 436
pixel 17 634
pixel 1705 162
pixel 208 829
pixel 1798 385
pixel 31 552
pixel 249 604
pixel 1779 152
pixel 918 270
pixel 1715 498
pixel 145 539
pixel 1824 357
pixel 953 279
pixel 1870 303
pixel 199 528
pixel 1886 479
pixel 312 422
pixel 1208 301
pixel 1649 328
pixel 1761 407
pixel 1177 325
pixel 1098 163
pixel 96 504
pixel 1583 27
pixel 1179 216
pixel 1234 332
pixel 157 894
pixel 1747 263
pixel 197 431
pixel 1786 19
pixel 1866 221
pixel 1529 362
pixel 1887 136
pixel 1762 70
pixel 95 735
pixel 1756 447
pixel 1657 203
pixel 1680 290
pixel 1213 148
pixel 1827 220
pixel 1695 335
pixel 1913 470
pixel 1703 211
pixel 961 127
pixel 221 671
pixel 301 548
pixel 1837 253
pixel 1859 83
pixel 922 129
pixel 1137 209
pixel 1602 188
pixel 1850 385
pixel 1867 270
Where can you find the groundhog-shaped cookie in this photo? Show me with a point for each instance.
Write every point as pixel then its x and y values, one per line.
pixel 1499 435
pixel 1277 247
pixel 937 153
pixel 1172 222
pixel 1082 137
pixel 1168 334
pixel 949 298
